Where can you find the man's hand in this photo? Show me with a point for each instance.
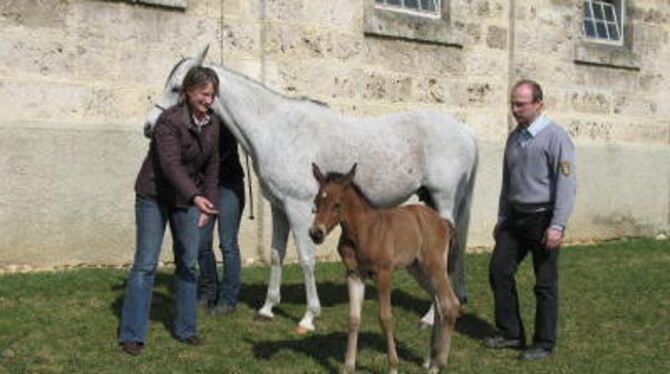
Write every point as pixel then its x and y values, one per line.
pixel 204 205
pixel 552 238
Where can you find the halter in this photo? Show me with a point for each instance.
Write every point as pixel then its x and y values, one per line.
pixel 155 104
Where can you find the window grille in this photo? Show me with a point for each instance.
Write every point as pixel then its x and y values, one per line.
pixel 603 20
pixel 423 7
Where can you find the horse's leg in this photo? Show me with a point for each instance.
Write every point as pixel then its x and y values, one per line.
pixel 383 280
pixel 356 288
pixel 280 228
pixel 299 217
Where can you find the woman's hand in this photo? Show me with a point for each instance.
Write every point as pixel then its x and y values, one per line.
pixel 204 205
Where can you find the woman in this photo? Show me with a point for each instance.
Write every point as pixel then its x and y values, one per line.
pixel 221 297
pixel 176 184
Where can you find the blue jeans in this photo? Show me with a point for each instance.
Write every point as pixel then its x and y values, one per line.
pixel 151 216
pixel 229 203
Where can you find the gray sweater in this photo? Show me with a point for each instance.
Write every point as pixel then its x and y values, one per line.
pixel 538 167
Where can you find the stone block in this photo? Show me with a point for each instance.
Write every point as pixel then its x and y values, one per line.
pixel 496 37
pixel 585 101
pixel 634 105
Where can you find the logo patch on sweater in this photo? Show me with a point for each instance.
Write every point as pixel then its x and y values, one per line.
pixel 565 168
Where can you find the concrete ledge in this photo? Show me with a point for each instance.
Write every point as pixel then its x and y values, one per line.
pixel 177 4
pixel 593 53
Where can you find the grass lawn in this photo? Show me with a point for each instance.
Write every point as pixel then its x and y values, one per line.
pixel 614 318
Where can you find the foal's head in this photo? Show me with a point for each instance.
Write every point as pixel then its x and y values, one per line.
pixel 329 202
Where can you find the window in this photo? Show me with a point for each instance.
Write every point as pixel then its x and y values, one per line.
pixel 603 20
pixel 427 21
pixel 420 7
pixel 606 34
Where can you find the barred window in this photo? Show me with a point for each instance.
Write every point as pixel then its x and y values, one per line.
pixel 603 20
pixel 423 7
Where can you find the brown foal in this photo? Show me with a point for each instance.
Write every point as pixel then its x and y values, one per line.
pixel 372 244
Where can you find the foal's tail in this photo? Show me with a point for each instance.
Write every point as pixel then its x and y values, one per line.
pixel 451 246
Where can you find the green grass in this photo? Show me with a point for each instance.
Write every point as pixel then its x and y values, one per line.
pixel 614 318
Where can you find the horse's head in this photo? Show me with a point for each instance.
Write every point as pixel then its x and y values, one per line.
pixel 172 90
pixel 329 202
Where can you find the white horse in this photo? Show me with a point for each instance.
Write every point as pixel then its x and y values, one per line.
pixel 422 152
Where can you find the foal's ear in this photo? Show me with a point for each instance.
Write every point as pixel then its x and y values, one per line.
pixel 200 58
pixel 317 174
pixel 350 175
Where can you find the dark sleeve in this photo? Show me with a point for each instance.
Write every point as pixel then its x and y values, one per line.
pixel 168 148
pixel 503 201
pixel 211 169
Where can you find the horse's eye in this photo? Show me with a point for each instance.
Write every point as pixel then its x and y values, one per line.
pixel 175 90
pixel 338 206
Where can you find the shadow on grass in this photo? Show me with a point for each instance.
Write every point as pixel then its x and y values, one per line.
pixel 332 294
pixel 162 303
pixel 328 349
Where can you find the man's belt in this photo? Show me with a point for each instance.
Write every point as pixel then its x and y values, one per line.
pixel 531 207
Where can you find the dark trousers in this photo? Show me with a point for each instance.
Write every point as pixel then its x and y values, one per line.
pixel 522 233
pixel 225 290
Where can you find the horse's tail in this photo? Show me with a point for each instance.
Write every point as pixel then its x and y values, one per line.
pixel 456 262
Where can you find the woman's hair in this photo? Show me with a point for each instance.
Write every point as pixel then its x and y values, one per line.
pixel 197 76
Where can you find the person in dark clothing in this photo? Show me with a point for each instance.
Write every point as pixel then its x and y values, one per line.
pixel 536 199
pixel 176 185
pixel 220 295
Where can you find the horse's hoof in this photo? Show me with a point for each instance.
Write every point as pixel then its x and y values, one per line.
pixel 425 325
pixel 302 330
pixel 263 317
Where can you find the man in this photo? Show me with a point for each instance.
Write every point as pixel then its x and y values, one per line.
pixel 538 191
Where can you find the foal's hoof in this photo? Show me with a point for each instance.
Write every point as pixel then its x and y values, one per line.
pixel 302 330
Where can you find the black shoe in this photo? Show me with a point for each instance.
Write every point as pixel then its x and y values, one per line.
pixel 534 353
pixel 132 348
pixel 499 342
pixel 221 309
pixel 206 304
pixel 193 340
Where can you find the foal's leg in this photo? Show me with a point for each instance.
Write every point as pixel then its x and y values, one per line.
pixel 422 277
pixel 356 288
pixel 385 318
pixel 445 320
pixel 442 199
pixel 280 230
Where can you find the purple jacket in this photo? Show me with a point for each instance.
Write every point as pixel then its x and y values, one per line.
pixel 182 162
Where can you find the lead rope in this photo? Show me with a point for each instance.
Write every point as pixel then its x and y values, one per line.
pixel 246 155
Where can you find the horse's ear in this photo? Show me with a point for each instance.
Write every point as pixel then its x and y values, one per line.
pixel 317 174
pixel 200 58
pixel 350 175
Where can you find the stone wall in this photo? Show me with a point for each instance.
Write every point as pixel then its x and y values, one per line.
pixel 75 76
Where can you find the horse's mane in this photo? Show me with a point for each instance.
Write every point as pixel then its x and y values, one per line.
pixel 253 81
pixel 336 177
pixel 183 59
